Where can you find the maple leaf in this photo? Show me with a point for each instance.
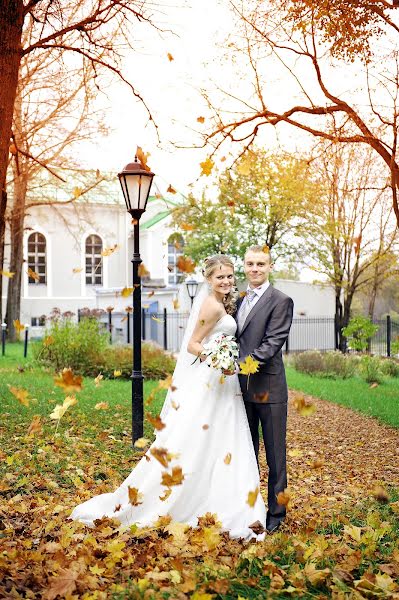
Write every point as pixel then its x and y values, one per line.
pixel 166 494
pixel 174 478
pixel 48 340
pixel 134 496
pixel 77 191
pixel 380 494
pixel 244 167
pixel 187 227
pixel 96 570
pixel 142 271
pixel 109 251
pixel 252 496
pixel 126 292
pixel 8 274
pixel 141 442
pixel 20 394
pixel 283 498
pixel 117 373
pixel 143 158
pixel 33 275
pixel 227 458
pixel 170 57
pixel 207 166
pixel 98 379
pixel 185 264
pixel 302 407
pixel 77 270
pixel 63 584
pixel 101 406
pixel 314 575
pixel 18 326
pixel 68 381
pixel 155 422
pixel 249 366
pixel 176 303
pixel 257 527
pixel 61 409
pixel 161 455
pixel 171 189
pixel 262 397
pixel 201 119
pixel 165 384
pixel 35 426
pixel 156 319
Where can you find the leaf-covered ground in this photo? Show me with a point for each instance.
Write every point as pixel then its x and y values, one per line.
pixel 340 540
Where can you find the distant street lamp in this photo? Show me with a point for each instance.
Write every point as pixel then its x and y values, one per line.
pixel 26 339
pixel 192 287
pixel 135 180
pixel 3 338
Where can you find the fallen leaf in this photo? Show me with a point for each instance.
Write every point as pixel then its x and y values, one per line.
pixel 117 373
pixel 283 498
pixel 257 527
pixel 380 494
pixel 174 478
pixel 141 442
pixel 68 381
pixel 20 394
pixel 155 422
pixel 102 406
pixel 35 426
pixel 98 379
pixel 134 496
pixel 302 407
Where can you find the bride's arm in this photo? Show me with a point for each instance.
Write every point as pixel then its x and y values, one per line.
pixel 209 315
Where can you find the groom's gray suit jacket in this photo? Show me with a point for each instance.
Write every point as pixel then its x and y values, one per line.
pixel 264 333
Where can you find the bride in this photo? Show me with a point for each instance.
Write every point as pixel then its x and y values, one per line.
pixel 203 460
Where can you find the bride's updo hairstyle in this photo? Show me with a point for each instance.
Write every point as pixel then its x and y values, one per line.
pixel 211 263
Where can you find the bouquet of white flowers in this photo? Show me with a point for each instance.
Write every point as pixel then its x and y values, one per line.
pixel 222 352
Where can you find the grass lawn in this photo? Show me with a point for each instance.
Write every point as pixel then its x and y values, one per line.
pixel 381 402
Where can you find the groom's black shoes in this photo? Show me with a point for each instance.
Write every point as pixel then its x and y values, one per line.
pixel 273 523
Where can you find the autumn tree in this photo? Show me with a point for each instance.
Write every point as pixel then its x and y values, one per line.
pixel 264 199
pixel 98 30
pixel 54 110
pixel 317 66
pixel 352 228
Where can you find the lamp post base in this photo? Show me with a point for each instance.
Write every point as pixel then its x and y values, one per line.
pixel 137 405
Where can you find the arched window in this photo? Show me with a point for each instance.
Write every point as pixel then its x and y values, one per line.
pixel 175 249
pixel 94 262
pixel 37 258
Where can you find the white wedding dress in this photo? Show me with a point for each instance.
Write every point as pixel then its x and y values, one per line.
pixel 206 428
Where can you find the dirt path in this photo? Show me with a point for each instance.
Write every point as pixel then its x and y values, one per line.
pixel 335 456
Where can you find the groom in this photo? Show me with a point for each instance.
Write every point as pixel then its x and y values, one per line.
pixel 264 319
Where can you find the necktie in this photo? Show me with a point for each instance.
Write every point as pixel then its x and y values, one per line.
pixel 246 308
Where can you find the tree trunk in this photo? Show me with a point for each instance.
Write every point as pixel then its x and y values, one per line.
pixel 3 206
pixel 16 255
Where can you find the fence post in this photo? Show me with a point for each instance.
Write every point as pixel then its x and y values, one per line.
pixel 110 326
pixel 389 335
pixel 26 341
pixel 165 329
pixel 336 336
pixel 3 338
pixel 287 345
pixel 143 323
pixel 128 327
pixel 79 316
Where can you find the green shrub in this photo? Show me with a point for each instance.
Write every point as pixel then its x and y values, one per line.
pixel 370 369
pixel 337 364
pixel 156 363
pixel 358 332
pixel 73 345
pixel 309 362
pixel 390 367
pixel 395 346
pixel 84 347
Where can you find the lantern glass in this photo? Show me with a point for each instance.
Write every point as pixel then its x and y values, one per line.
pixel 136 184
pixel 192 286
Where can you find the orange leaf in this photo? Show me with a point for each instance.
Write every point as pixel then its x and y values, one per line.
pixel 162 455
pixel 134 496
pixel 170 57
pixel 142 157
pixel 20 394
pixel 109 251
pixel 171 189
pixel 165 495
pixel 185 264
pixel 174 478
pixel 283 498
pixel 303 408
pixel 68 381
pixel 187 227
pixel 155 422
pixel 263 397
pixel 201 119
pixel 143 271
pixel 33 275
pixel 18 325
pixel 207 166
pixel 35 426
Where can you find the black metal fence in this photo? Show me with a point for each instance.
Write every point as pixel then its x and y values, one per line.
pixel 166 328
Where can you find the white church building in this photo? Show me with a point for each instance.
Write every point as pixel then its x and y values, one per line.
pixel 81 254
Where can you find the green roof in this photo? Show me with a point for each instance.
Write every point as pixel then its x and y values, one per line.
pixel 155 219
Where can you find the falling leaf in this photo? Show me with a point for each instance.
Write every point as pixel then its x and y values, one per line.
pixel 262 397
pixel 185 264
pixel 77 270
pixel 187 227
pixel 244 166
pixel 248 367
pixel 257 528
pixel 171 189
pixel 373 385
pixel 102 406
pixel 176 303
pixel 98 380
pixel 8 274
pixel 141 443
pixel 61 409
pixel 227 458
pixel 162 455
pixel 156 319
pixel 18 326
pixel 170 57
pixel 109 251
pixel 165 384
pixel 222 379
pixel 77 191
pixel 143 158
pixel 266 249
pixel 150 294
pixel 143 271
pixel 155 422
pixel 283 498
pixel 134 496
pixel 68 381
pixel 380 494
pixel 174 478
pixel 35 426
pixel 126 292
pixel 223 159
pixel 205 427
pixel 48 340
pixel 201 119
pixel 207 166
pixel 134 221
pixel 303 408
pixel 295 453
pixel 174 405
pixel 243 294
pixel 252 496
pixel 20 394
pixel 33 275
pixel 166 494
pixel 117 373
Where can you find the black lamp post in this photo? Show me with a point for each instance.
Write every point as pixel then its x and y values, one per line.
pixel 135 180
pixel 192 287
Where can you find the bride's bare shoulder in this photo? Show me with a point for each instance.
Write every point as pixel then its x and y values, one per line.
pixel 211 308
